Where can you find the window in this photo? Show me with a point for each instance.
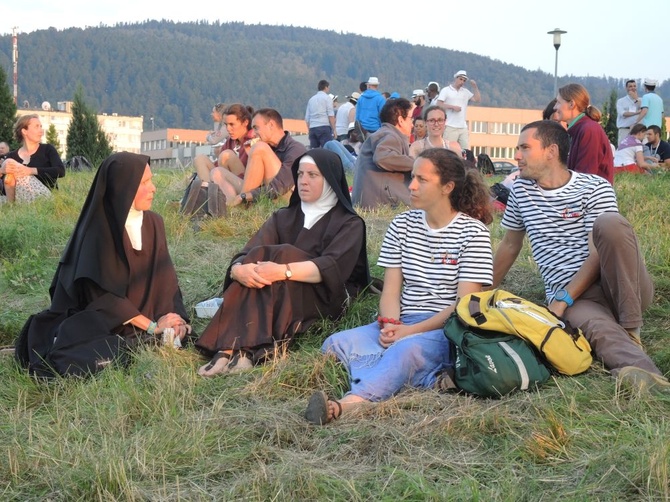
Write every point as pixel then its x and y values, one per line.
pixel 498 128
pixel 480 127
pixel 476 150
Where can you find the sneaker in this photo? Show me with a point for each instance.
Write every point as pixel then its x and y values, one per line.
pixel 643 380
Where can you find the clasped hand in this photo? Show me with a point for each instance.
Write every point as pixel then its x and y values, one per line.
pixel 10 166
pixel 391 333
pixel 258 275
pixel 174 321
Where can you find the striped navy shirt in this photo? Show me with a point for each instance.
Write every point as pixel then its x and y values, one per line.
pixel 433 262
pixel 558 223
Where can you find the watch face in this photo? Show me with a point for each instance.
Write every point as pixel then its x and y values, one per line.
pixel 243 196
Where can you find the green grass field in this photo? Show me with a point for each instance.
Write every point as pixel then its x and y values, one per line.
pixel 157 431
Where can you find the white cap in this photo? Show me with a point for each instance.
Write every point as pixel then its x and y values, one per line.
pixel 373 81
pixel 418 92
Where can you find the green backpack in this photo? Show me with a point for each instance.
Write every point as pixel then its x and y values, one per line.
pixel 492 364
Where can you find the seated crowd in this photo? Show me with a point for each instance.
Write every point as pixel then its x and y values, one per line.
pixel 116 282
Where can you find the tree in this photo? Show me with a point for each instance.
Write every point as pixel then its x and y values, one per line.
pixel 52 139
pixel 85 137
pixel 608 119
pixel 7 112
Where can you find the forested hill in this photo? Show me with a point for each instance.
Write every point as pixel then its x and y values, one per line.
pixel 175 72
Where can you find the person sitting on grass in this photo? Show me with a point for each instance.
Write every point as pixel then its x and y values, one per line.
pixel 306 262
pixel 587 253
pixel 433 254
pixel 228 171
pixel 436 122
pixel 629 157
pixel 115 283
pixel 33 170
pixel 268 170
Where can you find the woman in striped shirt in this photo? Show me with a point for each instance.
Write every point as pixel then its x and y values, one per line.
pixel 434 253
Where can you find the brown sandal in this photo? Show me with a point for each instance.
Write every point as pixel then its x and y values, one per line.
pixel 317 409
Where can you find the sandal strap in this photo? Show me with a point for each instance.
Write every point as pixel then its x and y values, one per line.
pixel 339 409
pixel 215 359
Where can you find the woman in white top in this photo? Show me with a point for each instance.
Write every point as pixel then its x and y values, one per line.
pixel 629 156
pixel 436 122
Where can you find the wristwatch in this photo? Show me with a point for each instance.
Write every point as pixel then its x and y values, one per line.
pixel 563 296
pixel 243 196
pixel 288 272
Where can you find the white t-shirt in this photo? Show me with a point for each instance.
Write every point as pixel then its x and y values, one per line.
pixel 433 262
pixel 461 98
pixel 558 223
pixel 625 154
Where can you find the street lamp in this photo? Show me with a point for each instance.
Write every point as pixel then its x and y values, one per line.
pixel 557 43
pixel 152 119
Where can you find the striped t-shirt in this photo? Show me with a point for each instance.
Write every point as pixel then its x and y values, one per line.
pixel 558 223
pixel 433 262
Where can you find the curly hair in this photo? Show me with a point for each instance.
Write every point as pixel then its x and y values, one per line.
pixel 470 194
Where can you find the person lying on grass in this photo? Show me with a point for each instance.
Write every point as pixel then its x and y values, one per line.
pixel 433 254
pixel 306 262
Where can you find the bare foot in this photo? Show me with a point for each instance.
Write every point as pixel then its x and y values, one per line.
pixel 217 366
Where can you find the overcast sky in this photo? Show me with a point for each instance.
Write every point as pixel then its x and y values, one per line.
pixel 604 37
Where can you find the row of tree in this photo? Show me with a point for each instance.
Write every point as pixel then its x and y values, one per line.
pixel 85 136
pixel 176 72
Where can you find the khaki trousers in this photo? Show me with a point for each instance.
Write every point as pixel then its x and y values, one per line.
pixel 615 302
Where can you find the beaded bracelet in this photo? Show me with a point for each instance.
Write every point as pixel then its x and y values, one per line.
pixel 152 327
pixel 387 320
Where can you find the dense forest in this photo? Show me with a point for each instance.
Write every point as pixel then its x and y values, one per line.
pixel 175 72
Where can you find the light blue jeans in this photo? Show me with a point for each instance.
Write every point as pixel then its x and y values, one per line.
pixel 348 160
pixel 377 373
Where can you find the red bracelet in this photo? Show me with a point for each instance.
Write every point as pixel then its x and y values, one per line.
pixel 387 320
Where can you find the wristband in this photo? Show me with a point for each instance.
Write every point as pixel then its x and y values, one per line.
pixel 152 327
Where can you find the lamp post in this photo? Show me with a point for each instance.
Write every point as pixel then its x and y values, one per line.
pixel 557 43
pixel 152 120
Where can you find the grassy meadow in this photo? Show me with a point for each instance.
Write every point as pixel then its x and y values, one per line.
pixel 157 431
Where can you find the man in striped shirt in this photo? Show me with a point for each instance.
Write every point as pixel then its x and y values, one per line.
pixel 587 253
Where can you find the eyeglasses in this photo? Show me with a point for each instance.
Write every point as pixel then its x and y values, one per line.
pixel 435 121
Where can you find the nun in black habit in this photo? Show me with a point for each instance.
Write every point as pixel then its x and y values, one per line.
pixel 306 262
pixel 115 281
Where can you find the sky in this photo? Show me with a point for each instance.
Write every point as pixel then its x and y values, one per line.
pixel 616 38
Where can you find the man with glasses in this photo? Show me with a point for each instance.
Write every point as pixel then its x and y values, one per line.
pixel 454 99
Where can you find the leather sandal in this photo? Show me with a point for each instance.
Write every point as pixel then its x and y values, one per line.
pixel 317 409
pixel 219 355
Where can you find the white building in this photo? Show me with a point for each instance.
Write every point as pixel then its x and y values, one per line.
pixel 124 132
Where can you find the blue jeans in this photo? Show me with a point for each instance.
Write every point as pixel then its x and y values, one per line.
pixel 318 136
pixel 348 160
pixel 377 373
